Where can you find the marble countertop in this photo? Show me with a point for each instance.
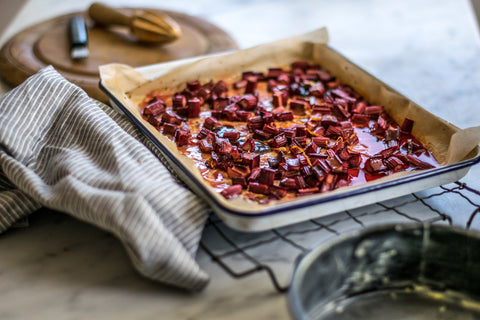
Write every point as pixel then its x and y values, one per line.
pixel 61 268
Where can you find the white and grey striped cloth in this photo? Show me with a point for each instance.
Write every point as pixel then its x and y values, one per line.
pixel 63 150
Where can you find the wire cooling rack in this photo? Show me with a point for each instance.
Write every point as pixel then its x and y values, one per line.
pixel 243 254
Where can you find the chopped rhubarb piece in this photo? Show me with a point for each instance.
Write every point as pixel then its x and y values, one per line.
pixel 251 159
pixel 238 171
pixel 273 162
pixel 169 129
pixel 240 84
pixel 235 154
pixel 204 133
pixel 318 110
pixel 155 109
pixel 267 176
pixel 204 94
pixel 288 183
pixel 417 163
pixel 277 191
pixel 341 111
pixel 333 132
pixel 211 123
pixel 268 118
pixel 323 164
pixel 329 120
pixel 386 153
pixel 312 181
pixel 352 139
pixel 261 135
pixel 361 119
pixel 182 112
pixel 284 116
pixel 194 85
pixel 248 102
pixel 256 187
pixel 220 88
pixel 355 160
pixel 248 145
pixel 373 110
pixel 278 141
pixel 341 93
pixel 300 141
pixel 300 130
pixel 157 123
pixel 223 146
pixel 253 177
pixel 300 182
pixel 407 126
pixel 392 134
pixel 298 107
pixel 230 112
pixel 344 154
pixel 179 101
pixel 271 84
pixel 325 76
pixel 255 123
pixel 251 85
pixel 375 164
pixel 232 135
pixel 335 163
pixel 300 65
pixel 311 148
pixel 181 138
pixel 395 164
pixel 289 133
pixel 247 74
pixel 214 160
pixel 283 79
pixel 271 129
pixel 274 73
pixel 359 107
pixel 341 183
pixel 205 146
pixel 307 191
pixel 319 173
pixel 329 183
pixel 311 125
pixel 243 115
pixel 277 99
pixel 232 191
pixel 239 180
pixel 317 89
pixel 193 108
pixel 171 117
pixel 304 161
pixel 321 141
pixel 220 103
pixel 278 110
pixel 217 114
pixel 293 164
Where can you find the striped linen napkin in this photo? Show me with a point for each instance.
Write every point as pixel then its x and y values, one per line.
pixel 63 150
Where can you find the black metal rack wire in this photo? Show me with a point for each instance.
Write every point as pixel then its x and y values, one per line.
pixel 243 254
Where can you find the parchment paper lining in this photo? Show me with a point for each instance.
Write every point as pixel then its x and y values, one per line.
pixel 448 143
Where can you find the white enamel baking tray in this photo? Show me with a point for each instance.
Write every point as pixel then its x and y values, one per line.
pixel 303 208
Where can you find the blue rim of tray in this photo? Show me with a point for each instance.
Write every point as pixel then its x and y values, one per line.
pixel 292 206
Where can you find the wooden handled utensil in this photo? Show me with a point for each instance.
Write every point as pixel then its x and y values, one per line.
pixel 147 26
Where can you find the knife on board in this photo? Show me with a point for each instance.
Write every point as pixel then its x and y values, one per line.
pixel 77 32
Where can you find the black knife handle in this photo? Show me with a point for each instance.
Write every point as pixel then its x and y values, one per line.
pixel 77 31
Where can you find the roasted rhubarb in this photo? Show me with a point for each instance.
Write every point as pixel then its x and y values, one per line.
pixel 284 133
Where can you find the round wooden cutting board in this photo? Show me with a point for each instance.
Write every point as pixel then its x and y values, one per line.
pixel 47 43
